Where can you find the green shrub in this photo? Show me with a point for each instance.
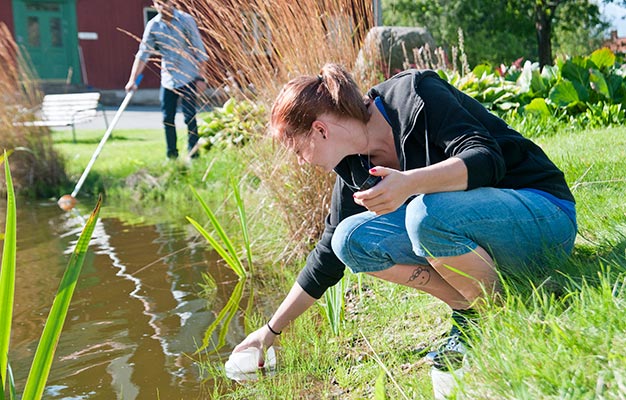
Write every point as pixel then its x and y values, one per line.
pixel 588 91
pixel 231 124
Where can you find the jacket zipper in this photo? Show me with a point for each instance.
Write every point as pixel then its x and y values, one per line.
pixel 405 135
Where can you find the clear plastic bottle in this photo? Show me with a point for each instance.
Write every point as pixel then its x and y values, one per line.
pixel 243 362
pixel 247 361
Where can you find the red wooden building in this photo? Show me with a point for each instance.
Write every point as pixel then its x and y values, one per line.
pixel 91 44
pixel 616 44
pixel 88 43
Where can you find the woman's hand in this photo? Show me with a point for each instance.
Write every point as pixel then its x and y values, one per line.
pixel 388 194
pixel 261 339
pixel 397 186
pixel 296 302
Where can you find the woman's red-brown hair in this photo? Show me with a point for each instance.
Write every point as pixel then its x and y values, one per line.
pixel 303 99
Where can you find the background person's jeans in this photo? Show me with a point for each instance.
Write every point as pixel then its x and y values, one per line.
pixel 516 227
pixel 169 103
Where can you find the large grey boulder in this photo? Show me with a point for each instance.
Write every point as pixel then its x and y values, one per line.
pixel 388 49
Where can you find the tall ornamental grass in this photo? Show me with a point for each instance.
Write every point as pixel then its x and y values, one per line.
pixel 37 168
pixel 256 47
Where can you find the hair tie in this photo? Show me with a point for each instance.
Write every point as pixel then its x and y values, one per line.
pixel 320 79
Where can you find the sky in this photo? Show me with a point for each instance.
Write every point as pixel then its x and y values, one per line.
pixel 613 13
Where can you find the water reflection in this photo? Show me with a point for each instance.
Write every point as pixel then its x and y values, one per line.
pixel 135 313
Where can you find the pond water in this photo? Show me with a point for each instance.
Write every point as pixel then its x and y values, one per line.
pixel 136 317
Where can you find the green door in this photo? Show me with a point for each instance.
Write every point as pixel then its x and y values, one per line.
pixel 46 31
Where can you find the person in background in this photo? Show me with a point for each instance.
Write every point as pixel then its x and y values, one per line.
pixel 433 192
pixel 173 35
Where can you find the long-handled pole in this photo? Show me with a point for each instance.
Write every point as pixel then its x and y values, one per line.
pixel 68 201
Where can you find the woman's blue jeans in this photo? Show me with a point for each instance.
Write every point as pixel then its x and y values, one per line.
pixel 517 228
pixel 169 103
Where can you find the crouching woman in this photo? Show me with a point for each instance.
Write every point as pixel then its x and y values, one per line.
pixel 432 192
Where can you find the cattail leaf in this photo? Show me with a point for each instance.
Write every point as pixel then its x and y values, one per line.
pixel 228 244
pixel 7 274
pixel 42 362
pixel 243 221
pixel 232 262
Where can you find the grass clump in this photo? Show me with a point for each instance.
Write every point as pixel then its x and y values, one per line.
pixel 261 45
pixel 37 167
pixel 554 336
pixel 555 347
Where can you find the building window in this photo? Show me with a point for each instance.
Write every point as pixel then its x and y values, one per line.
pixel 31 6
pixel 34 33
pixel 56 32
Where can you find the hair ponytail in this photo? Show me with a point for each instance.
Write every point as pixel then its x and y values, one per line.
pixel 344 92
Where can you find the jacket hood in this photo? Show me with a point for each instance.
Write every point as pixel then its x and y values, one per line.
pixel 403 105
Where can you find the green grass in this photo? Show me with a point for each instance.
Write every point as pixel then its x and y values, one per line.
pixel 134 174
pixel 555 348
pixel 124 153
pixel 595 166
pixel 564 339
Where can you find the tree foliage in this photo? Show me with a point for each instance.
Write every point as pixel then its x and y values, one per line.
pixel 579 30
pixel 498 31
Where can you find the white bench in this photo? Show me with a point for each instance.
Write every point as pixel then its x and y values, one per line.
pixel 68 110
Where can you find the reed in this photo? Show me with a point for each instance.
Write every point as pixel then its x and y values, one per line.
pixel 224 245
pixel 7 274
pixel 257 45
pixel 301 194
pixel 40 368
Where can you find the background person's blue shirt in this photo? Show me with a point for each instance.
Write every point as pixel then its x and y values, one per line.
pixel 179 44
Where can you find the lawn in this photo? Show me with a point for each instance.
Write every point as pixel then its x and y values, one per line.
pixel 560 338
pixel 133 172
pixel 124 153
